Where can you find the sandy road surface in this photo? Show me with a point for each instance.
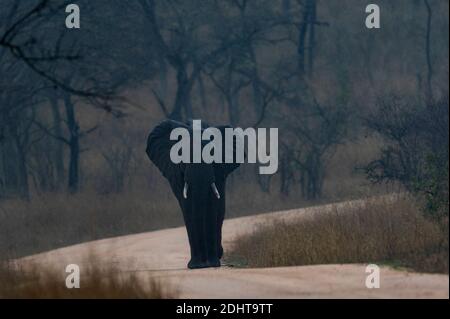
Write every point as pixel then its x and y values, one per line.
pixel 165 253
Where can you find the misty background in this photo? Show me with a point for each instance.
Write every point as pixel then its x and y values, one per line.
pixel 360 112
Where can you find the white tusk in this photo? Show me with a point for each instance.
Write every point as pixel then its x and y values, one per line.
pixel 185 189
pixel 216 192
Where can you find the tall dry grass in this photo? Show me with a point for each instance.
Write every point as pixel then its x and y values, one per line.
pixel 97 281
pixel 379 231
pixel 57 220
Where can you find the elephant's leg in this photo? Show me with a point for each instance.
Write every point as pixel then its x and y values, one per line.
pixel 219 237
pixel 211 235
pixel 198 260
pixel 219 221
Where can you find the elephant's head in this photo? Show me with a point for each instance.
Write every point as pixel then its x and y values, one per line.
pixel 185 178
pixel 200 190
pixel 200 179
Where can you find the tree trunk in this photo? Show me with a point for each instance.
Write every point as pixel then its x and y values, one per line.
pixel 312 23
pixel 257 96
pixel 74 147
pixel 301 44
pixel 233 108
pixel 182 95
pixel 58 145
pixel 202 92
pixel 307 25
pixel 24 188
pixel 429 93
pixel 14 173
pixel 163 79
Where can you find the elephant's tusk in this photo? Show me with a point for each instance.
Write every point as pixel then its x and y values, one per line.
pixel 185 189
pixel 216 192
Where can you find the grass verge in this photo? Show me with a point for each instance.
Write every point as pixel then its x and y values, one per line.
pixel 386 231
pixel 32 281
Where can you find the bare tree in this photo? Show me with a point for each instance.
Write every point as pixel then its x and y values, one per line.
pixel 312 134
pixel 182 35
pixel 65 67
pixel 415 153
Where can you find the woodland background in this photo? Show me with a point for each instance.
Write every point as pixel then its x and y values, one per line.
pixel 360 112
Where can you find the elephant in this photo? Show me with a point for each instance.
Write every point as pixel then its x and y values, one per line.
pixel 200 191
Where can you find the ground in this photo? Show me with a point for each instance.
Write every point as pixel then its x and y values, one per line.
pixel 165 254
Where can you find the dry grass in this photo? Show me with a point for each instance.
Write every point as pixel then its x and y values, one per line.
pixel 38 282
pixel 57 220
pixel 380 231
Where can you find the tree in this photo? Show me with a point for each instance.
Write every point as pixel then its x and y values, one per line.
pixel 416 151
pixel 67 67
pixel 18 102
pixel 312 134
pixel 185 36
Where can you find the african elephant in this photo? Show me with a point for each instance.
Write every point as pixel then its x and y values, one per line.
pixel 200 191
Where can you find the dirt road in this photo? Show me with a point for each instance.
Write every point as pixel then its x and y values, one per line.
pixel 165 254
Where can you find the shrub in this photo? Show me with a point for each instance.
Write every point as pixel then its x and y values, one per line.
pixel 416 149
pixel 378 231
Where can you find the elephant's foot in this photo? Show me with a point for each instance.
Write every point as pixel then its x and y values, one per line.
pixel 213 262
pixel 196 264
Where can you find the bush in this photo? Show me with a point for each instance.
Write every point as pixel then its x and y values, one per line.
pixel 378 231
pixel 416 149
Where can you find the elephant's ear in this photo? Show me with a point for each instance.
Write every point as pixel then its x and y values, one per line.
pixel 227 168
pixel 158 150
